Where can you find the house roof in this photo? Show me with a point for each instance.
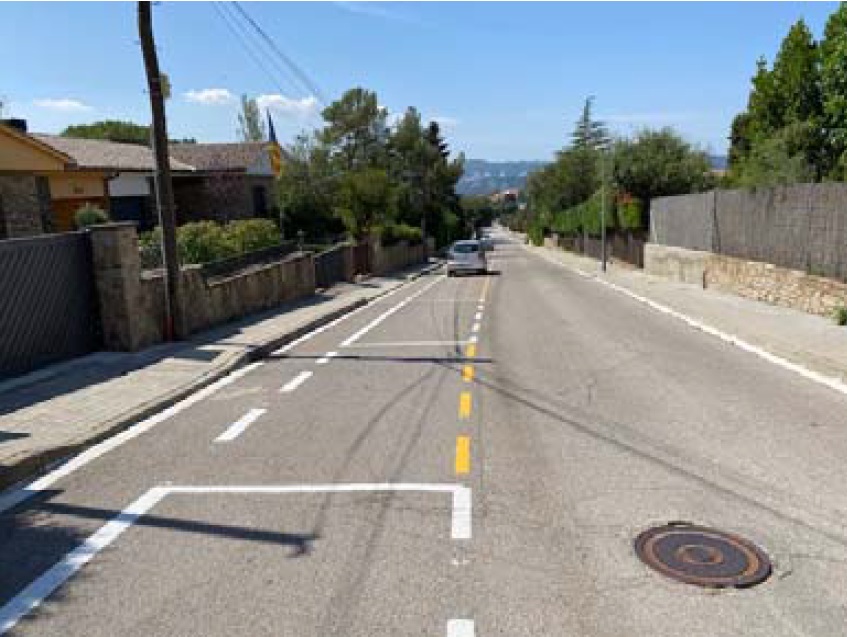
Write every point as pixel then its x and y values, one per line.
pixel 37 143
pixel 105 155
pixel 232 156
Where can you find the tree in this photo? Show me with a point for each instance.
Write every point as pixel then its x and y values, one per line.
pixel 657 163
pixel 771 162
pixel 833 55
pixel 356 130
pixel 251 126
pixel 365 201
pixel 112 130
pixel 589 133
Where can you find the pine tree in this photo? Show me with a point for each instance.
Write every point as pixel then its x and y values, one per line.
pixel 833 50
pixel 589 134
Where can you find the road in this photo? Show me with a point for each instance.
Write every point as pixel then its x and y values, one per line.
pixel 467 456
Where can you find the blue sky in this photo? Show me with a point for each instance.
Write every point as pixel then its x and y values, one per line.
pixel 506 79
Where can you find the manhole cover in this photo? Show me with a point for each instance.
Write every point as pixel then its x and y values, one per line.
pixel 702 556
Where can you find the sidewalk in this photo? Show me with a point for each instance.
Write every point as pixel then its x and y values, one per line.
pixel 813 342
pixel 54 412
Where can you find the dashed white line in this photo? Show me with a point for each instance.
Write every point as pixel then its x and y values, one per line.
pixel 323 360
pixel 460 628
pixel 237 428
pixel 475 327
pixel 473 339
pixel 477 316
pixel 295 382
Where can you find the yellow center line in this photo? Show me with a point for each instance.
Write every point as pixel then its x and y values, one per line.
pixel 467 373
pixel 463 455
pixel 465 405
pixel 484 291
pixel 470 350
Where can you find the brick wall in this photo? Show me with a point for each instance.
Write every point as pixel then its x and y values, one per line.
pixel 24 206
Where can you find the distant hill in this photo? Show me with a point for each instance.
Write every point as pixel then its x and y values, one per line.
pixel 485 177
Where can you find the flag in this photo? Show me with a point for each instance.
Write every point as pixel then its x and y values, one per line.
pixel 274 149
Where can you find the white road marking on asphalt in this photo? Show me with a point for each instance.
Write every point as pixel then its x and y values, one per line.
pixel 473 339
pixel 477 316
pixel 237 428
pixel 295 382
pixel 480 307
pixel 407 344
pixel 475 327
pixel 17 495
pixel 828 381
pixel 460 628
pixel 392 310
pixel 32 596
pixel 326 358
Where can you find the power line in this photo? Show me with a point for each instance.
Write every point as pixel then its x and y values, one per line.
pixel 298 72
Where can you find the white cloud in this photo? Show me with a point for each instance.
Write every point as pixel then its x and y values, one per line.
pixel 64 105
pixel 209 96
pixel 289 107
pixel 373 10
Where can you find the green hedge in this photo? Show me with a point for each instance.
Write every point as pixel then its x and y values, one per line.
pixel 207 241
pixel 622 213
pixel 395 233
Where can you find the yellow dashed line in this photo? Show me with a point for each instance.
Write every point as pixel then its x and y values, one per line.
pixel 465 405
pixel 467 373
pixel 463 455
pixel 470 350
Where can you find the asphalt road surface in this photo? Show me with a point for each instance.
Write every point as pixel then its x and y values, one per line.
pixel 467 456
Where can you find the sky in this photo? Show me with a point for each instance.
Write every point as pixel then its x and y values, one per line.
pixel 506 80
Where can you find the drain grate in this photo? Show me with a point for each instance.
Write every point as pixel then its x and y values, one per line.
pixel 702 556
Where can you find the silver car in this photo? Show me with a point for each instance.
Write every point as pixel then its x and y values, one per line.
pixel 466 256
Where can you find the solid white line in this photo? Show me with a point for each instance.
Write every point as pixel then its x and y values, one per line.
pixel 32 596
pixel 392 310
pixel 816 377
pixel 473 339
pixel 477 316
pixel 237 428
pixel 475 327
pixel 460 628
pixel 295 382
pixel 17 495
pixel 326 358
pixel 407 344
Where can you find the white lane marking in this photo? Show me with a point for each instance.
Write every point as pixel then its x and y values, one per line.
pixel 477 316
pixel 392 310
pixel 18 494
pixel 407 344
pixel 237 428
pixel 475 328
pixel 32 596
pixel 36 592
pixel 480 307
pixel 323 360
pixel 295 382
pixel 473 339
pixel 460 628
pixel 829 381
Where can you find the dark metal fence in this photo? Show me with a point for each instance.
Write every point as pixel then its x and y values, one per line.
pixel 48 308
pixel 225 267
pixel 620 246
pixel 329 267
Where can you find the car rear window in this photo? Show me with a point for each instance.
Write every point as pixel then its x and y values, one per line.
pixel 466 248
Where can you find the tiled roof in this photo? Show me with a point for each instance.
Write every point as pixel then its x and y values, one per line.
pixel 106 155
pixel 235 156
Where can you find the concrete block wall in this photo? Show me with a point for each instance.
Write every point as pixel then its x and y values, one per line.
pixel 676 264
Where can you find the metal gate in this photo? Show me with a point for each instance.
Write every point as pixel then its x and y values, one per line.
pixel 329 267
pixel 48 308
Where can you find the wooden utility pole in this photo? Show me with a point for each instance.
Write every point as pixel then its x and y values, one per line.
pixel 174 324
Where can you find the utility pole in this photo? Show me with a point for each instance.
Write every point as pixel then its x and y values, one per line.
pixel 603 207
pixel 174 324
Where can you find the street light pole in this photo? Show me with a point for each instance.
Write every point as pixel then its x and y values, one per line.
pixel 603 209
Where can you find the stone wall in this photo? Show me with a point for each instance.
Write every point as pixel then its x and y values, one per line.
pixel 389 258
pixel 24 206
pixel 751 279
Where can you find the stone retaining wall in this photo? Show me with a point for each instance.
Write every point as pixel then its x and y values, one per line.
pixel 751 279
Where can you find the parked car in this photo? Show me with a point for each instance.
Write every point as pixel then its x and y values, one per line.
pixel 466 256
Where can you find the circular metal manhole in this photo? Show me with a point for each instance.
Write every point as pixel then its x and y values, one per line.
pixel 702 556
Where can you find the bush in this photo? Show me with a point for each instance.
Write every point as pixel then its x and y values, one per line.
pixel 535 233
pixel 204 241
pixel 630 213
pixel 90 215
pixel 841 315
pixel 248 235
pixel 395 233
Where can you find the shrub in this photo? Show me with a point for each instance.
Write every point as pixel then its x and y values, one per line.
pixel 841 315
pixel 535 233
pixel 248 235
pixel 204 241
pixel 630 213
pixel 396 232
pixel 90 215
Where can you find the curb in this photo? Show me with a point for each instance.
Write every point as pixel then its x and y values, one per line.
pixel 18 471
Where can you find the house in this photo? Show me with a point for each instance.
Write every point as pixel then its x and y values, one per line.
pixel 230 181
pixel 25 167
pixel 128 168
